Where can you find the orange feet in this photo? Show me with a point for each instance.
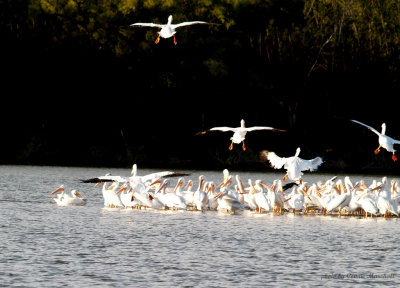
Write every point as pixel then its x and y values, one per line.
pixel 157 40
pixel 175 42
pixel 231 146
pixel 284 178
pixel 243 146
pixel 377 150
pixel 394 157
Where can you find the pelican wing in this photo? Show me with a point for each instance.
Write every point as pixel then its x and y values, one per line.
pixel 161 175
pixel 106 178
pixel 146 25
pixel 311 165
pixel 275 161
pixel 190 23
pixel 369 127
pixel 264 128
pixel 223 129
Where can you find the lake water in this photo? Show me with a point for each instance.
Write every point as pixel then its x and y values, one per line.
pixel 43 245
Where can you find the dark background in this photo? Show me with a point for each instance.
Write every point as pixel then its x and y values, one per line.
pixel 76 101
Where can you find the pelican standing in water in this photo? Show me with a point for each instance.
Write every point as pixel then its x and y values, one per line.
pixel 239 133
pixel 168 30
pixel 385 141
pixel 294 165
pixel 64 199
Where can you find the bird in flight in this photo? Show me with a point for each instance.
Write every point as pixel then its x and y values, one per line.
pixel 239 133
pixel 385 141
pixel 168 30
pixel 294 165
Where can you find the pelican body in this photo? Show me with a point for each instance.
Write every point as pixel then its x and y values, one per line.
pixel 64 199
pixel 167 30
pixel 293 165
pixel 385 141
pixel 239 133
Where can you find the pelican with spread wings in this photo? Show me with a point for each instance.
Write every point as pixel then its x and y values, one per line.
pixel 239 133
pixel 294 165
pixel 168 30
pixel 385 141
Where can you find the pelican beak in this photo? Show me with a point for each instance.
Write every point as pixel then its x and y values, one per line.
pixel 218 195
pixel 220 185
pixel 266 186
pixel 79 195
pixel 123 188
pixel 158 181
pixel 97 184
pixel 59 189
pixel 177 186
pixel 161 187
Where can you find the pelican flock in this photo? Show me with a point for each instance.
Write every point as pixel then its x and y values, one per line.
pixel 341 197
pixel 335 197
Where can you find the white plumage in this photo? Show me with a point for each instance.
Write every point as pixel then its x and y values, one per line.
pixel 168 30
pixel 239 133
pixel 385 141
pixel 294 165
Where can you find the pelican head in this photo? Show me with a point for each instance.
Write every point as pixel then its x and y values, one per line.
pixel 297 152
pixel 383 128
pixel 169 19
pixel 242 124
pixel 226 174
pixel 134 170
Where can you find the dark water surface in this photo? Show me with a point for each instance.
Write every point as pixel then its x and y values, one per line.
pixel 43 245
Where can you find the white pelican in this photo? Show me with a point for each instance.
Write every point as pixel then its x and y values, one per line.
pixel 127 197
pixel 111 198
pixel 212 202
pixel 64 199
pixel 200 198
pixel 168 30
pixel 342 199
pixel 367 201
pixel 293 165
pixel 239 133
pixel 260 198
pixel 170 200
pixel 296 198
pixel 385 204
pixel 226 200
pixel 385 141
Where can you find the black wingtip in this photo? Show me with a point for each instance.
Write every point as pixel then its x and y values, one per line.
pixel 94 180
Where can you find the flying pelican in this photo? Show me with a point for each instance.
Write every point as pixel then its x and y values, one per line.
pixel 294 165
pixel 64 199
pixel 239 133
pixel 385 141
pixel 168 30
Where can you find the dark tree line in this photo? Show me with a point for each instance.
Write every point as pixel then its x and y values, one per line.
pixel 84 89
